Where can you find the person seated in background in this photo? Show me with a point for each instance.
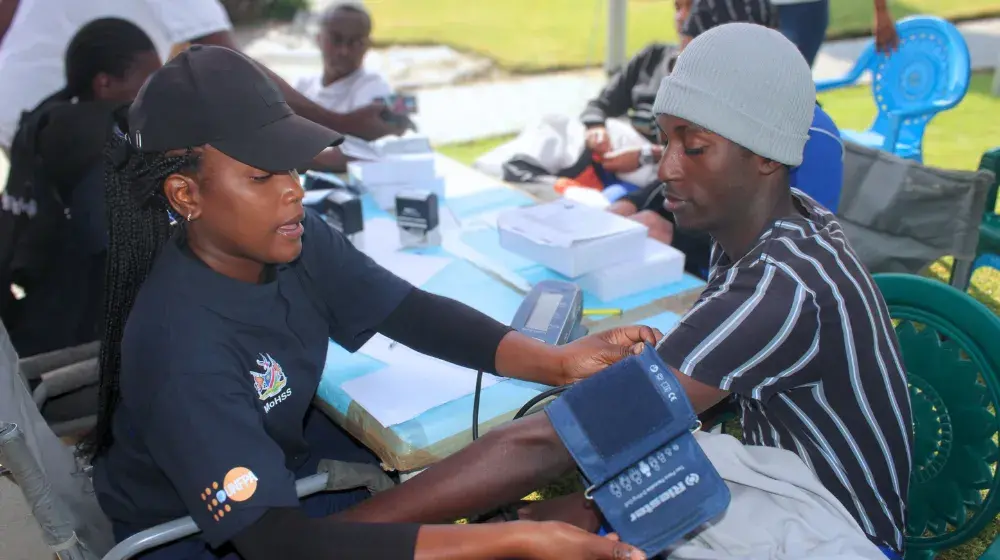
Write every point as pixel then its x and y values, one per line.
pixel 820 175
pixel 345 84
pixel 600 149
pixel 53 204
pixel 34 35
pixel 631 92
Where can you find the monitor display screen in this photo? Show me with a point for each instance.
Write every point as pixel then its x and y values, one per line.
pixel 545 309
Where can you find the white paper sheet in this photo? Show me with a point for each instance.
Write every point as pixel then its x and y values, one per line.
pixel 410 384
pixel 382 245
pixel 381 236
pixel 415 269
pixel 357 148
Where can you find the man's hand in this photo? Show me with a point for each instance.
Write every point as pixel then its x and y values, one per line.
pixel 659 227
pixel 591 354
pixel 886 37
pixel 598 140
pixel 623 207
pixel 622 161
pixel 367 123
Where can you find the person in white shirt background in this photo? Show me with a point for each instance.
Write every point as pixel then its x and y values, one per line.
pixel 345 84
pixel 34 35
pixel 33 48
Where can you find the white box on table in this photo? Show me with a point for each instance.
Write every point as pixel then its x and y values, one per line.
pixel 406 144
pixel 391 170
pixel 661 264
pixel 571 238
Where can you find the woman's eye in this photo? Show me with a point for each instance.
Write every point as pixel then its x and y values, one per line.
pixel 262 178
pixel 694 151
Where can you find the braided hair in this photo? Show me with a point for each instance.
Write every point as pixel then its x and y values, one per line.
pixel 103 46
pixel 139 223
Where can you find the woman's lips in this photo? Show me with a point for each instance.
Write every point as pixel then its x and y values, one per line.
pixel 291 230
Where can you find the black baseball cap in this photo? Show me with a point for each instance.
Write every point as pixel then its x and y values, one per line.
pixel 214 95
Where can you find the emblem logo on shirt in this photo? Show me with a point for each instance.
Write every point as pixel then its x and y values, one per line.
pixel 270 382
pixel 238 485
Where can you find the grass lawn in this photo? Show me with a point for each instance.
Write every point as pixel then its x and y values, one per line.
pixel 955 140
pixel 533 35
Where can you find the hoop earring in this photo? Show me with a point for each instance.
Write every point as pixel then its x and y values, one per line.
pixel 189 216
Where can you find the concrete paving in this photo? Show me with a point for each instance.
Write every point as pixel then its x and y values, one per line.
pixel 20 536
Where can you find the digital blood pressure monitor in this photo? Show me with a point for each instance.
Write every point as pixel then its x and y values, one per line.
pixel 551 312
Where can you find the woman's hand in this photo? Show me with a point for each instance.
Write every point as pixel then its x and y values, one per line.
pixel 552 540
pixel 590 354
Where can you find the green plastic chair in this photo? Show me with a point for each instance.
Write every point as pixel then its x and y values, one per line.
pixel 951 349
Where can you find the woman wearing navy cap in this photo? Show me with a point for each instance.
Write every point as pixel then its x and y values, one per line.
pixel 217 329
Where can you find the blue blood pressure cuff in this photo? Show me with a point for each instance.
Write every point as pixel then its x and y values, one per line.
pixel 629 428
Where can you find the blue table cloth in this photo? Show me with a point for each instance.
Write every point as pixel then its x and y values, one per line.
pixel 437 432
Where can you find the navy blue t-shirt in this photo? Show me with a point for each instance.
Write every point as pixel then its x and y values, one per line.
pixel 217 376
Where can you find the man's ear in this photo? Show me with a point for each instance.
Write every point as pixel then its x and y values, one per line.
pixel 183 194
pixel 769 166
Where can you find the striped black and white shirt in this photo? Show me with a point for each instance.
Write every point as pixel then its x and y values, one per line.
pixel 798 331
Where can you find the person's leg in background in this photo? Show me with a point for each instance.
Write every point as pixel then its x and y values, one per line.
pixel 805 23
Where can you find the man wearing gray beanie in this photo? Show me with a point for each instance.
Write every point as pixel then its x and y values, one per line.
pixel 790 323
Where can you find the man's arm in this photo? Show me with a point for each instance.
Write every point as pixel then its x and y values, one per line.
pixel 501 467
pixel 7 10
pixel 886 37
pixel 331 160
pixel 616 97
pixel 366 123
pixel 752 332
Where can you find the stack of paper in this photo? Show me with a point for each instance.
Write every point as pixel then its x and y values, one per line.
pixel 382 245
pixel 410 384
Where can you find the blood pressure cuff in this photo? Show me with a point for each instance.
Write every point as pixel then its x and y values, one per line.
pixel 629 430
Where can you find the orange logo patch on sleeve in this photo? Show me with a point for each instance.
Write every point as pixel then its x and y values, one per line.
pixel 239 485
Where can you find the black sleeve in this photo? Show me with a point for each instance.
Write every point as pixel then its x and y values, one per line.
pixel 649 197
pixel 287 533
pixel 445 329
pixel 616 98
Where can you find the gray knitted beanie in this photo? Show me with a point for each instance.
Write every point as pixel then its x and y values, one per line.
pixel 746 83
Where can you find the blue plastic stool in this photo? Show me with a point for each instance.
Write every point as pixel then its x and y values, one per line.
pixel 928 74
